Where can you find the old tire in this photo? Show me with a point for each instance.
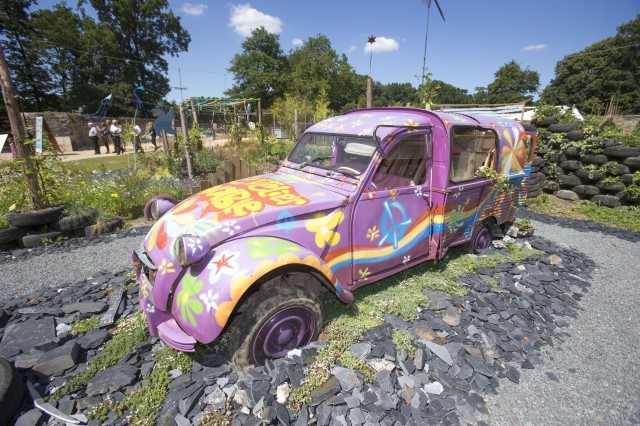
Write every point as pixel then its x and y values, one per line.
pixel 147 206
pixel 275 321
pixel 11 234
pixel 481 238
pixel 35 240
pixel 11 391
pixel 36 217
pixel 77 221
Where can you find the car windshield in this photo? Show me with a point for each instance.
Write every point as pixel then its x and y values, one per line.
pixel 349 155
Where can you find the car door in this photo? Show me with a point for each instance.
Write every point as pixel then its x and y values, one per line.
pixel 391 225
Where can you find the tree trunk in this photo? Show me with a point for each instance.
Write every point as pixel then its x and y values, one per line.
pixel 17 128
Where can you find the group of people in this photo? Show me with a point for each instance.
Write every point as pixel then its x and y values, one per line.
pixel 110 132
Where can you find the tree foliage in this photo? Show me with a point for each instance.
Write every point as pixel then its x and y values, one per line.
pixel 512 84
pixel 590 77
pixel 260 70
pixel 63 58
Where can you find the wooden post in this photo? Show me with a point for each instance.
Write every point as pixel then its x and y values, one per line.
pixel 185 136
pixel 369 94
pixel 193 112
pixel 17 128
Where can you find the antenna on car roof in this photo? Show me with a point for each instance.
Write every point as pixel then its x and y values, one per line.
pixel 424 58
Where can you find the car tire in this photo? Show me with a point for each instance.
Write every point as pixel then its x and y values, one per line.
pixel 11 233
pixel 147 206
pixel 275 321
pixel 11 391
pixel 36 217
pixel 35 240
pixel 78 221
pixel 481 238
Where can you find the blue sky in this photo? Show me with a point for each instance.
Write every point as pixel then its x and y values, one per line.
pixel 465 50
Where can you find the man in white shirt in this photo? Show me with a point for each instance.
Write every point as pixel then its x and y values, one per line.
pixel 116 132
pixel 93 137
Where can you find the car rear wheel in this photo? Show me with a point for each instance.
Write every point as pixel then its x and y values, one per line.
pixel 275 321
pixel 481 238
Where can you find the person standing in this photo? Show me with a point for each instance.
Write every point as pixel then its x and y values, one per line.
pixel 152 135
pixel 137 147
pixel 93 137
pixel 116 132
pixel 103 133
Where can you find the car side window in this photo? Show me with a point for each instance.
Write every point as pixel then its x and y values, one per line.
pixel 471 150
pixel 405 165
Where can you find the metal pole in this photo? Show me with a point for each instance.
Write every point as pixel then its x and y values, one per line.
pixel 426 36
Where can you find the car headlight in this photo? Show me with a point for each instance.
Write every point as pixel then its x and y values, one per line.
pixel 159 207
pixel 191 249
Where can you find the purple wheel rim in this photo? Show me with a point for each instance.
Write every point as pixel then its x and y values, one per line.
pixel 482 240
pixel 286 330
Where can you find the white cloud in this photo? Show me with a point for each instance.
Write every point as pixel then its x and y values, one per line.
pixel 297 42
pixel 382 44
pixel 351 49
pixel 245 19
pixel 193 9
pixel 535 47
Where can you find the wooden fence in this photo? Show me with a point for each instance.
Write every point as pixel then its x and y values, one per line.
pixel 228 171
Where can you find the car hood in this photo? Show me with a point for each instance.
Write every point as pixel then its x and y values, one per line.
pixel 232 209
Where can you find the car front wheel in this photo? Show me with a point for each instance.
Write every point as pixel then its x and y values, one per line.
pixel 275 321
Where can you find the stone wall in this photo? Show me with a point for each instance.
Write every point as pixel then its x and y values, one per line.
pixel 575 165
pixel 71 130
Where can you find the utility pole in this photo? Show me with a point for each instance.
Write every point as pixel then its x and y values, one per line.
pixel 183 124
pixel 17 128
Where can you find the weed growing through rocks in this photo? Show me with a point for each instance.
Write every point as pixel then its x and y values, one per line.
pixel 82 326
pixel 399 295
pixel 144 404
pixel 126 334
pixel 402 339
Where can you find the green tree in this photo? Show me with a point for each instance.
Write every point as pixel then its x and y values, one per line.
pixel 608 67
pixel 316 68
pixel 513 84
pixel 260 70
pixel 143 33
pixel 449 94
pixel 393 94
pixel 28 69
pixel 428 92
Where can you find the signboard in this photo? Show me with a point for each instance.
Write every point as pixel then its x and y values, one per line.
pixel 39 135
pixel 3 139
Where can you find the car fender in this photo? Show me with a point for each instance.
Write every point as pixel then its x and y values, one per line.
pixel 209 291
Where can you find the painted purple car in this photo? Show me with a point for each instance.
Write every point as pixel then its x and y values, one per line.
pixel 360 197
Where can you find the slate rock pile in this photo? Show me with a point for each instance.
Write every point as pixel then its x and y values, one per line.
pixel 465 347
pixel 583 167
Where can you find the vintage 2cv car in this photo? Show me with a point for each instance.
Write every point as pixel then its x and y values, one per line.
pixel 361 196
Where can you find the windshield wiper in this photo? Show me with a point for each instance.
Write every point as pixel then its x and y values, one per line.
pixel 306 163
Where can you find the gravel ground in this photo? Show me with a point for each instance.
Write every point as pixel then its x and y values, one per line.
pixel 56 265
pixel 591 378
pixel 594 376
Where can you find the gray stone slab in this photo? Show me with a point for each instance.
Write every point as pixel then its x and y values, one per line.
pixel 56 361
pixel 24 336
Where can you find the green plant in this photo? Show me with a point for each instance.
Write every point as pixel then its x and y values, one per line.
pixel 402 339
pixel 82 326
pixel 491 174
pixel 632 191
pixel 524 224
pixel 127 333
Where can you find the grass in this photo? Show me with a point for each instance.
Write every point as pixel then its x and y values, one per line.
pixel 399 295
pixel 82 326
pixel 113 163
pixel 623 218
